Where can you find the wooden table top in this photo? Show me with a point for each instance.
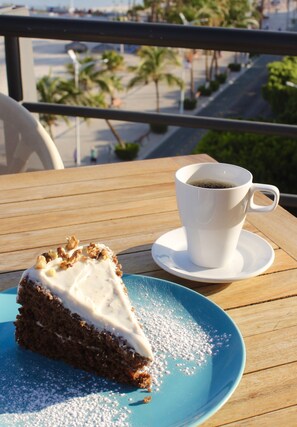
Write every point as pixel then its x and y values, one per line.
pixel 128 206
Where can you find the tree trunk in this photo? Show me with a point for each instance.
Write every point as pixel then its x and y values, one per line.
pixel 157 97
pixel 206 67
pixel 261 10
pixel 115 134
pixel 190 60
pixel 217 63
pixel 214 66
pixel 154 15
pixel 167 6
pixel 192 81
pixel 211 66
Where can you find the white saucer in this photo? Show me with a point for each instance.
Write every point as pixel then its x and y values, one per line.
pixel 253 256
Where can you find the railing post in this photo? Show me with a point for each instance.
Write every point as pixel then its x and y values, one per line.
pixel 20 81
pixel 13 68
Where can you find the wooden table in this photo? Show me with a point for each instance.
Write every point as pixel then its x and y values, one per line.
pixel 129 205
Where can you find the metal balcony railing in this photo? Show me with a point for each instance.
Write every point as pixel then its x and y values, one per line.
pixel 181 36
pixel 254 41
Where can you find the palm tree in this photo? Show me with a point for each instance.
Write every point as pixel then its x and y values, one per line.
pixel 56 91
pixel 155 9
pixel 153 67
pixel 90 78
pixel 113 60
pixel 240 15
pixel 189 55
pixel 88 74
pixel 211 14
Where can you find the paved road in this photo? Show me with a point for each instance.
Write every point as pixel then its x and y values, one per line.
pixel 242 99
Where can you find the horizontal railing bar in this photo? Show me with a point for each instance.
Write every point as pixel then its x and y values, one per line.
pixel 288 199
pixel 170 35
pixel 161 118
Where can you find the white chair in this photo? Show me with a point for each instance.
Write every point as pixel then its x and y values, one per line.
pixel 24 143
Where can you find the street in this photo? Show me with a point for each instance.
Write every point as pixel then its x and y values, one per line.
pixel 242 99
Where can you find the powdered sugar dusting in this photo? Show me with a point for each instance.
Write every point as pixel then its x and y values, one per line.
pixel 37 392
pixel 174 336
pixel 59 400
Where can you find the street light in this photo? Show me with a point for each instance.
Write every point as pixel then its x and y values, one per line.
pixel 77 67
pixel 291 84
pixel 182 90
pixel 74 59
pixel 71 7
pixel 186 64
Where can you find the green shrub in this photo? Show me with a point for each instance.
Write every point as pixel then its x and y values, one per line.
pixel 221 78
pixel 158 128
pixel 204 91
pixel 129 152
pixel 282 98
pixel 190 103
pixel 208 89
pixel 234 66
pixel 271 159
pixel 214 85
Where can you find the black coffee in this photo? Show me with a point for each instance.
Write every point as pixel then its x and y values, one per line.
pixel 210 183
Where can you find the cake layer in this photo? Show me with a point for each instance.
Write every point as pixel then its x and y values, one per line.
pixel 89 359
pixel 65 336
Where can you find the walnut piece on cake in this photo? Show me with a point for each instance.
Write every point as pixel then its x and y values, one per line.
pixel 72 243
pixel 40 262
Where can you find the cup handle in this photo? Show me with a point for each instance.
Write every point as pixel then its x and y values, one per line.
pixel 253 207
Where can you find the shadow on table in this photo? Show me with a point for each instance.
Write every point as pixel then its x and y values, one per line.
pixel 147 266
pixel 30 382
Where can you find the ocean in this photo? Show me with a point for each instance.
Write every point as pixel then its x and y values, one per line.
pixel 79 4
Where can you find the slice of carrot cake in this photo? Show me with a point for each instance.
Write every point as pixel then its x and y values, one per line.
pixel 75 307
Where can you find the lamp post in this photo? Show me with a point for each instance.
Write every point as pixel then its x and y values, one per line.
pixel 185 64
pixel 182 89
pixel 74 59
pixel 291 84
pixel 71 7
pixel 77 67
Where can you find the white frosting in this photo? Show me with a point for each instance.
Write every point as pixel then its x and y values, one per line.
pixel 92 289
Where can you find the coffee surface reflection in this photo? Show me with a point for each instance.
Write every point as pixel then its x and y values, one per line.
pixel 210 183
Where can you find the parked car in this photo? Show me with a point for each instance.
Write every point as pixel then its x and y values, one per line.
pixel 77 47
pixel 102 47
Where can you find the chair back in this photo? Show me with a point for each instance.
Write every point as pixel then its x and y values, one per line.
pixel 24 143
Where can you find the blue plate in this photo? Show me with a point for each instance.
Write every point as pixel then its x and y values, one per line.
pixel 191 384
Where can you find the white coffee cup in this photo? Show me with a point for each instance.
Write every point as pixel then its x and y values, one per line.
pixel 213 217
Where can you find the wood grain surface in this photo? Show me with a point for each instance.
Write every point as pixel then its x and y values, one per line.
pixel 128 206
